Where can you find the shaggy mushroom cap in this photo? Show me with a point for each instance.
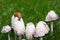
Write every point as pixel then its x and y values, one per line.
pixel 6 29
pixel 17 14
pixel 51 16
pixel 30 30
pixel 18 23
pixel 41 29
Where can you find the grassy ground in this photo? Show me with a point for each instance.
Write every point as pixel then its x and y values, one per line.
pixel 32 10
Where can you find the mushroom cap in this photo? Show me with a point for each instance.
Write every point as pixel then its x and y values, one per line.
pixel 18 24
pixel 6 29
pixel 30 30
pixel 41 29
pixel 18 14
pixel 51 16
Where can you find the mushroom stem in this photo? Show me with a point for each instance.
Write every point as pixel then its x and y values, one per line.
pixel 41 38
pixel 8 36
pixel 51 27
pixel 23 39
pixel 15 36
pixel 20 37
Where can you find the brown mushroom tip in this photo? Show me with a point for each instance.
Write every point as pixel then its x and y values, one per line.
pixel 17 14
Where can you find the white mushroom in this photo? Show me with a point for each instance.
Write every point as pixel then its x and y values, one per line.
pixel 18 24
pixel 41 29
pixel 6 29
pixel 30 30
pixel 51 16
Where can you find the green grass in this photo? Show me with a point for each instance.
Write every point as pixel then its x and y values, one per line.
pixel 32 11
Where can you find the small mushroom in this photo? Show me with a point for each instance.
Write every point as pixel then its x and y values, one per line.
pixel 51 16
pixel 18 25
pixel 41 29
pixel 6 29
pixel 30 30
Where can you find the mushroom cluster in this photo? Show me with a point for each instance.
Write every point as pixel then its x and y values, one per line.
pixel 31 31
